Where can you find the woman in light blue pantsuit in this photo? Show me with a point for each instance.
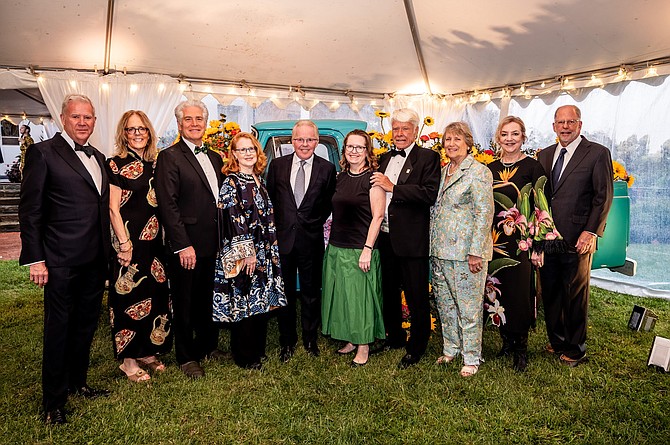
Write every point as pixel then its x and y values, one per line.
pixel 461 247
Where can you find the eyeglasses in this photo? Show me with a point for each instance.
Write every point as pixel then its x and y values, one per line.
pixel 246 150
pixel 305 140
pixel 355 148
pixel 133 130
pixel 570 122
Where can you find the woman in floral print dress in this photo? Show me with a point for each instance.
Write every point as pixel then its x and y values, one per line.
pixel 140 312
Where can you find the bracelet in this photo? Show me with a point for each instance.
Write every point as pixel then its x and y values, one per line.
pixel 367 247
pixel 128 249
pixel 122 243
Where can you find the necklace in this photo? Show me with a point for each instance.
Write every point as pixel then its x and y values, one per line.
pixel 356 175
pixel 449 168
pixel 509 164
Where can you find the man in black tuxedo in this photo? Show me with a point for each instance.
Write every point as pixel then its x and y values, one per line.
pixel 65 239
pixel 580 173
pixel 301 187
pixel 410 176
pixel 188 179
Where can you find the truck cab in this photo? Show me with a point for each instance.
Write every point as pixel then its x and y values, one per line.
pixel 275 137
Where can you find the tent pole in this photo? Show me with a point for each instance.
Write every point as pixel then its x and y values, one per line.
pixel 411 18
pixel 108 36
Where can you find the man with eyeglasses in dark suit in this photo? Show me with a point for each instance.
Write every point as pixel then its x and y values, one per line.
pixel 301 187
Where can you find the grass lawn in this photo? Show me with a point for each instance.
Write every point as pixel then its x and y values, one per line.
pixel 613 399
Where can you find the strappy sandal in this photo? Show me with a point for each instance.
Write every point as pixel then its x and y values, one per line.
pixel 139 376
pixel 469 370
pixel 444 359
pixel 154 365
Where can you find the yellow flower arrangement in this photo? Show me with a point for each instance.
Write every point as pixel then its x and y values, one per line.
pixel 620 174
pixel 483 156
pixel 382 114
pixel 219 134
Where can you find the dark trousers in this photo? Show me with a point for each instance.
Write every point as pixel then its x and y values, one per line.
pixel 72 301
pixel 411 275
pixel 565 293
pixel 248 339
pixel 308 263
pixel 195 333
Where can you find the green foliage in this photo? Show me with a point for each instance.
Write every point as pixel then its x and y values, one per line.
pixel 614 399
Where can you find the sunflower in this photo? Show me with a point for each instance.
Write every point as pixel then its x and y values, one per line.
pixel 428 121
pixel 381 114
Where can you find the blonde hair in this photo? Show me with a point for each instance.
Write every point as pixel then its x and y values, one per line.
pixel 460 129
pixel 121 139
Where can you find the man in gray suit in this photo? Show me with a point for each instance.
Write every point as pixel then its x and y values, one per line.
pixel 580 175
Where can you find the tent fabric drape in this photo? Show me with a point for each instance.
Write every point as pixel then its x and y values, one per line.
pixel 112 95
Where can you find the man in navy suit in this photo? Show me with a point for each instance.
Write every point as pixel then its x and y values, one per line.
pixel 581 189
pixel 188 179
pixel 301 187
pixel 65 239
pixel 410 176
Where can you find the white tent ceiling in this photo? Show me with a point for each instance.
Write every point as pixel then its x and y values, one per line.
pixel 361 46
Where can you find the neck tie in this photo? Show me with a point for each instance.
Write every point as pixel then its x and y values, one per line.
pixel 395 152
pixel 200 150
pixel 88 151
pixel 558 166
pixel 299 191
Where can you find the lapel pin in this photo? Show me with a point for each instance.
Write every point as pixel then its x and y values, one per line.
pixel 407 172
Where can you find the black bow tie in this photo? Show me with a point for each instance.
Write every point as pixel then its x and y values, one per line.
pixel 202 149
pixel 398 153
pixel 88 150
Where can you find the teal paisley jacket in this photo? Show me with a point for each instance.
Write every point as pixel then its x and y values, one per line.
pixel 460 220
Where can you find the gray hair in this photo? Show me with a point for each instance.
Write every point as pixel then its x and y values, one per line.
pixel 76 98
pixel 306 123
pixel 179 109
pixel 578 112
pixel 405 115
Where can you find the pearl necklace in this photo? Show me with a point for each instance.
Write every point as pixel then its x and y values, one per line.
pixel 449 168
pixel 505 164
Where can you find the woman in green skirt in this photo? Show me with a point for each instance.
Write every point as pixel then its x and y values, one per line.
pixel 351 308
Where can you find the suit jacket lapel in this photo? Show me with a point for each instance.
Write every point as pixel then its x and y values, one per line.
pixel 190 157
pixel 408 165
pixel 212 159
pixel 384 162
pixel 70 157
pixel 549 159
pixel 580 153
pixel 103 171
pixel 465 164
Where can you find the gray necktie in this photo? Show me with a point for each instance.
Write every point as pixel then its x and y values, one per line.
pixel 558 166
pixel 299 191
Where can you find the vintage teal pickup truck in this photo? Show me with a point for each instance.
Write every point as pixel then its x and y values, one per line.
pixel 275 139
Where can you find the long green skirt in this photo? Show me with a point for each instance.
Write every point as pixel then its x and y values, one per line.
pixel 351 308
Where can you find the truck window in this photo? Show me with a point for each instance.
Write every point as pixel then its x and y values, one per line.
pixel 278 146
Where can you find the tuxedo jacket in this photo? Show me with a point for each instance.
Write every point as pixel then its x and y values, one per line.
pixel 413 195
pixel 186 205
pixel 583 196
pixel 302 226
pixel 64 219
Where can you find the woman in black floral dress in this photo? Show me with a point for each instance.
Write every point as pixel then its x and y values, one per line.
pixel 247 281
pixel 139 305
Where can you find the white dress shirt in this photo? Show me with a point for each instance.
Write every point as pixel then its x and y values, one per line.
pixel 208 168
pixel 393 170
pixel 295 166
pixel 91 164
pixel 571 148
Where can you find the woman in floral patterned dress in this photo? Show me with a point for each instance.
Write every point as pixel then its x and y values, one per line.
pixel 247 281
pixel 140 312
pixel 511 295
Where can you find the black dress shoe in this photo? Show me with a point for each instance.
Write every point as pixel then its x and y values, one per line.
pixel 55 417
pixel 408 360
pixel 218 355
pixel 386 347
pixel 258 366
pixel 520 361
pixel 357 365
pixel 285 353
pixel 312 349
pixel 192 370
pixel 89 393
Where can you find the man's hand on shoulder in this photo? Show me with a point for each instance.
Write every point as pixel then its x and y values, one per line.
pixel 382 181
pixel 39 274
